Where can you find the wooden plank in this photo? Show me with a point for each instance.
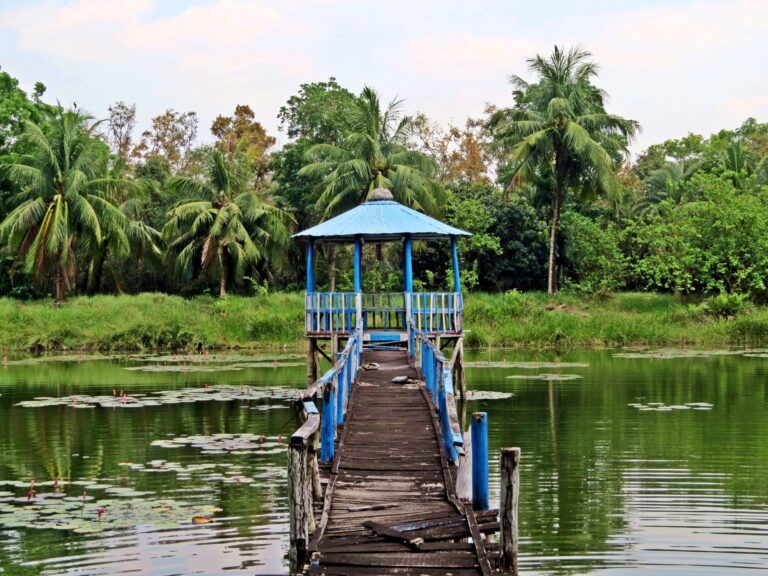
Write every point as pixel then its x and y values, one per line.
pixel 477 540
pixel 421 560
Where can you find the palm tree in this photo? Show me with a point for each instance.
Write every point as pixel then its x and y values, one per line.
pixel 65 198
pixel 375 154
pixel 223 224
pixel 560 123
pixel 665 183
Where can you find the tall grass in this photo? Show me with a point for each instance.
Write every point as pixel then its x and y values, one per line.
pixel 533 320
pixel 151 322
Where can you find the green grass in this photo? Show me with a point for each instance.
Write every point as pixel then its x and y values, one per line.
pixel 151 322
pixel 530 320
pixel 536 320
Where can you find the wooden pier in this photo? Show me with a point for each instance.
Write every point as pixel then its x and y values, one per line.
pixel 382 479
pixel 390 503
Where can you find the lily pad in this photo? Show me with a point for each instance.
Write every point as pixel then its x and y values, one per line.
pixel 548 377
pixel 488 395
pixel 672 354
pixel 184 395
pixel 526 365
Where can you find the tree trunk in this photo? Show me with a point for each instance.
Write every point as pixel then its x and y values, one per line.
pixel 223 280
pixel 556 205
pixel 552 277
pixel 60 285
pixel 95 272
pixel 332 267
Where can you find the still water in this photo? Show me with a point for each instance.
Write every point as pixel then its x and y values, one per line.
pixel 612 482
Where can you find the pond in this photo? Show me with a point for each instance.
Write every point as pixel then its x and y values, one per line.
pixel 632 462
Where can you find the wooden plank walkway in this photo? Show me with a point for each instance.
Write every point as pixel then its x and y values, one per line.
pixel 390 506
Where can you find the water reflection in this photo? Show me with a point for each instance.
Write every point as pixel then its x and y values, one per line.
pixel 607 488
pixel 610 489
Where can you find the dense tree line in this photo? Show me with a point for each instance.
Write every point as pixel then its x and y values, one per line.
pixel 545 184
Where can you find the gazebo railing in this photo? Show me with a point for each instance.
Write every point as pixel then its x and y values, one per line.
pixel 331 312
pixel 438 312
pixel 385 311
pixel 430 312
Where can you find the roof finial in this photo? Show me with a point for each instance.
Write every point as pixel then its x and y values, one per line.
pixel 378 195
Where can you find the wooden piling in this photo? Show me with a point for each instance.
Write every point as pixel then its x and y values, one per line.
pixel 510 493
pixel 479 427
pixel 311 362
pixel 300 487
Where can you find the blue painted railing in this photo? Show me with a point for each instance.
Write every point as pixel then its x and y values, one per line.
pixel 438 380
pixel 339 312
pixel 438 312
pixel 335 385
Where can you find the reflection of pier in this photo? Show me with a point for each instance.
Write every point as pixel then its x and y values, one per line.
pixel 382 480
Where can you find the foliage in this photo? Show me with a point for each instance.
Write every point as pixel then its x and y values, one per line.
pixel 222 223
pixel 592 259
pixel 241 132
pixel 374 154
pixel 120 124
pixel 321 113
pixel 560 123
pixel 171 137
pixel 16 108
pixel 64 203
pixel 716 244
pixel 462 155
pixel 725 305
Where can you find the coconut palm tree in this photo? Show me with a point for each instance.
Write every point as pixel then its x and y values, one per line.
pixel 374 154
pixel 223 224
pixel 560 123
pixel 65 199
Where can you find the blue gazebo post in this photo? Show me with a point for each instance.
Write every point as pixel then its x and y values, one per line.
pixel 408 277
pixel 456 275
pixel 311 267
pixel 359 277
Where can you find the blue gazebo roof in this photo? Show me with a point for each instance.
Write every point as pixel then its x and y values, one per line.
pixel 379 220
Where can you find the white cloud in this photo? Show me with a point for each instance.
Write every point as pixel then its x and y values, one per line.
pixel 207 57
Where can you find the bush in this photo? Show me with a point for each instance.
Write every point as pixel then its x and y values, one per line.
pixel 725 305
pixel 592 259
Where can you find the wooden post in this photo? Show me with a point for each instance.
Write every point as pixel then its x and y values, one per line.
pixel 314 468
pixel 301 514
pixel 311 362
pixel 479 428
pixel 510 493
pixel 464 473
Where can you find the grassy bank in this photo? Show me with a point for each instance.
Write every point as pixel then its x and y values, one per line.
pixel 151 321
pixel 158 321
pixel 628 319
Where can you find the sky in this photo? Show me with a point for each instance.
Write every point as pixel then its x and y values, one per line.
pixel 676 67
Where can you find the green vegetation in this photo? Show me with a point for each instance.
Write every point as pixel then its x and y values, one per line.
pixel 513 319
pixel 151 322
pixel 546 186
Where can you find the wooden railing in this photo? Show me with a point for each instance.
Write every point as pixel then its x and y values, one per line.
pixel 339 312
pixel 314 440
pixel 438 380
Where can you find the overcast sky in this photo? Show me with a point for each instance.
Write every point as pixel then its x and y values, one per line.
pixel 676 67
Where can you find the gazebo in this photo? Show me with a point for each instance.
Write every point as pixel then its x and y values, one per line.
pixel 387 319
